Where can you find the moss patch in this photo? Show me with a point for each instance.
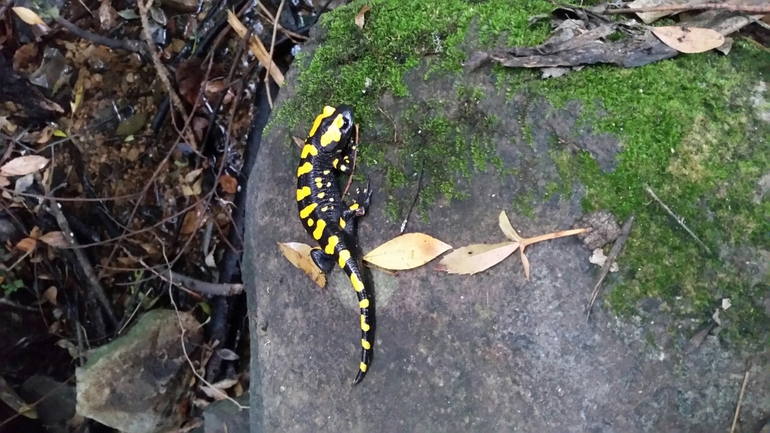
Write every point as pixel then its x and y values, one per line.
pixel 686 125
pixel 688 132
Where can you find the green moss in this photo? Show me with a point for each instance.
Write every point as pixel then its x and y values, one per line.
pixel 356 66
pixel 687 131
pixel 523 203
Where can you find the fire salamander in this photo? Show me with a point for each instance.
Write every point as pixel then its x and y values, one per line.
pixel 328 151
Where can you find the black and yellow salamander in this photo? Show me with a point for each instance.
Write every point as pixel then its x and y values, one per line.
pixel 327 152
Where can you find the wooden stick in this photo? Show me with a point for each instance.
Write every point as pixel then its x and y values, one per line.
pixel 740 401
pixel 616 247
pixel 756 10
pixel 680 221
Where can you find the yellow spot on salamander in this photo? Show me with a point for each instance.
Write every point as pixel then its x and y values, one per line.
pixel 354 206
pixel 304 169
pixel 327 111
pixel 336 162
pixel 342 223
pixel 358 286
pixel 327 171
pixel 324 209
pixel 344 256
pixel 307 210
pixel 363 367
pixel 303 192
pixel 321 194
pixel 310 222
pixel 328 184
pixel 332 243
pixel 308 149
pixel 363 304
pixel 365 344
pixel 319 230
pixel 364 326
pixel 333 135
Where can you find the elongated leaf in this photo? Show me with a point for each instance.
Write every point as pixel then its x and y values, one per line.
pixel 407 251
pixel 23 165
pixel 299 255
pixel 507 228
pixel 689 39
pixel 360 18
pixel 476 258
pixel 525 262
pixel 28 16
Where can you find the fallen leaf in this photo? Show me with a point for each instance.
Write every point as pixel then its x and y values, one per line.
pixel 28 16
pixel 23 165
pixel 298 141
pixel 360 19
pixel 50 294
pixel 598 258
pixel 228 183
pixel 26 244
pixel 507 228
pixel 407 251
pixel 476 258
pixel 55 239
pixel 525 263
pixel 4 181
pixel 299 256
pixel 193 219
pixel 689 40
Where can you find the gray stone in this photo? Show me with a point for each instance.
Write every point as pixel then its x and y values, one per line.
pixel 135 383
pixel 491 352
pixel 56 402
pixel 225 417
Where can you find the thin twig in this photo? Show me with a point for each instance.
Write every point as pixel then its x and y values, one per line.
pixel 184 347
pixel 757 10
pixel 616 247
pixel 740 401
pixel 88 270
pixel 353 168
pixel 198 286
pixel 10 303
pixel 129 45
pixel 270 55
pixel 163 74
pixel 414 199
pixel 680 221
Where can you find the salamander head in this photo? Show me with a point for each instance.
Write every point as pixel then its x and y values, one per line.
pixel 333 128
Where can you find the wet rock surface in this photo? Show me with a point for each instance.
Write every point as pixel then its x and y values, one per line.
pixel 484 353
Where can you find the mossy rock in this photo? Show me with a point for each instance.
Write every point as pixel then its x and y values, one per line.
pixel 493 351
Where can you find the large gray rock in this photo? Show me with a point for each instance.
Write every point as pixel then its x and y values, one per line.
pixel 134 384
pixel 491 352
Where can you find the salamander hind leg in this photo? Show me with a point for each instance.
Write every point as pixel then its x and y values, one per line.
pixel 325 262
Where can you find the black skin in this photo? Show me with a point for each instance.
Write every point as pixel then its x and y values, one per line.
pixel 327 153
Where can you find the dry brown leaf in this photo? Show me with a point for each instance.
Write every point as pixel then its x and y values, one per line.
pixel 525 263
pixel 360 18
pixel 50 294
pixel 28 16
pixel 299 256
pixel 476 258
pixel 256 47
pixel 407 251
pixel 229 184
pixel 689 40
pixel 507 228
pixel 26 244
pixel 298 141
pixel 55 239
pixel 195 218
pixel 23 165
